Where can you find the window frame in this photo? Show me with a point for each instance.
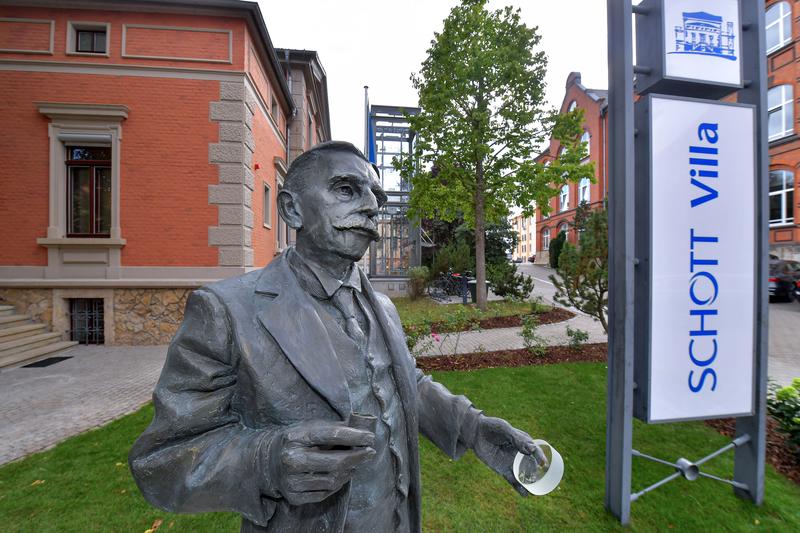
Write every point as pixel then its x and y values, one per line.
pixel 94 205
pixel 266 210
pixel 563 198
pixel 75 26
pixel 587 138
pixel 584 185
pixel 781 24
pixel 787 206
pixel 545 239
pixel 784 105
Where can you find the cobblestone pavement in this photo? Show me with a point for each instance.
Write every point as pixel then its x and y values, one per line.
pixel 40 407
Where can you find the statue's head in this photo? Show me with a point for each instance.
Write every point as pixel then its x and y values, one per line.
pixel 331 196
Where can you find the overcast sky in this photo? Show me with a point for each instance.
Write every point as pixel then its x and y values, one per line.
pixel 380 43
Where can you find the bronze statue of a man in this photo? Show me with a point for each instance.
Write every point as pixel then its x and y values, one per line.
pixel 254 407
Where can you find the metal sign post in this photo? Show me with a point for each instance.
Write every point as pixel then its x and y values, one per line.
pixel 688 352
pixel 619 421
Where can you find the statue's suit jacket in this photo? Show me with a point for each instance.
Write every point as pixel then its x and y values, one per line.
pixel 252 357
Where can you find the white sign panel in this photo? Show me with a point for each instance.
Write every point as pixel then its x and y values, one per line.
pixel 702 40
pixel 702 259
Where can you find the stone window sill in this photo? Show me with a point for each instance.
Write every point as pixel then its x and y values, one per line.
pixel 102 242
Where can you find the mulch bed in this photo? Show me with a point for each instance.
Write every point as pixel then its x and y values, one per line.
pixel 779 453
pixel 588 353
pixel 556 314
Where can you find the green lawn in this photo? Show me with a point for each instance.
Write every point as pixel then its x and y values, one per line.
pixel 87 486
pixel 425 310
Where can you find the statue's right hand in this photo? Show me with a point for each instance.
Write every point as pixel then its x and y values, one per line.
pixel 316 458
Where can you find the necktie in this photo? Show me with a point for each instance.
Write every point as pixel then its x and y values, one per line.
pixel 343 300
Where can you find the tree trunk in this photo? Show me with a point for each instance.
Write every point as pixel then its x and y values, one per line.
pixel 480 238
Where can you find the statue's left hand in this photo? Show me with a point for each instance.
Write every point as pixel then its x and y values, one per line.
pixel 497 443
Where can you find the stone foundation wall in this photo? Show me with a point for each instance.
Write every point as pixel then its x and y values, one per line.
pixel 35 302
pixel 148 316
pixel 543 257
pixel 786 251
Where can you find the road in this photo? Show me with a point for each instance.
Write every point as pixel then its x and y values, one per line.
pixel 784 322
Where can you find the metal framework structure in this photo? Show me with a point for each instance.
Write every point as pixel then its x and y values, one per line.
pixel 389 135
pixel 749 444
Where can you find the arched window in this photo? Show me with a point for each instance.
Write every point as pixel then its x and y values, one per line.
pixel 563 198
pixel 572 105
pixel 584 193
pixel 781 111
pixel 781 197
pixel 586 138
pixel 564 228
pixel 546 239
pixel 779 26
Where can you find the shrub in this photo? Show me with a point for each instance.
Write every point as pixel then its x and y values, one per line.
pixel 783 403
pixel 555 248
pixel 418 278
pixel 577 337
pixel 507 282
pixel 534 343
pixel 453 255
pixel 418 339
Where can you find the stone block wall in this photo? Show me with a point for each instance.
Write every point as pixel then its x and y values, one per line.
pixel 148 316
pixel 35 302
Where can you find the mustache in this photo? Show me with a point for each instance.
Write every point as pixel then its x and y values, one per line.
pixel 358 222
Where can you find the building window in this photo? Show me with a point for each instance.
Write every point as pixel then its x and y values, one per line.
pixel 584 192
pixel 86 320
pixel 779 25
pixel 88 191
pixel 781 197
pixel 87 38
pixel 564 228
pixel 572 105
pixel 273 108
pixel 91 42
pixel 585 138
pixel 781 111
pixel 563 198
pixel 546 239
pixel 310 132
pixel 267 206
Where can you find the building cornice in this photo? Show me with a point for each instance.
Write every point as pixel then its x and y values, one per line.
pixel 59 110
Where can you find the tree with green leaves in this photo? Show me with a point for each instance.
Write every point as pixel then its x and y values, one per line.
pixel 481 93
pixel 581 278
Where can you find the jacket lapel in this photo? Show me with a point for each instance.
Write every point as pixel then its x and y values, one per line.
pixel 292 320
pixel 405 380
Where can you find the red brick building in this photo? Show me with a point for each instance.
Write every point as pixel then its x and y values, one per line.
pixel 144 146
pixel 783 72
pixel 562 207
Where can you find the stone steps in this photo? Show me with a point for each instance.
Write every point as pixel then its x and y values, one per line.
pixel 23 341
pixel 28 342
pixel 30 356
pixel 14 320
pixel 25 330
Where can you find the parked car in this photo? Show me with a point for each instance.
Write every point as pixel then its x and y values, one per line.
pixel 532 259
pixel 518 260
pixel 783 278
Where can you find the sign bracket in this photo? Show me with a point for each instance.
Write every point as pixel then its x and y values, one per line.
pixel 690 471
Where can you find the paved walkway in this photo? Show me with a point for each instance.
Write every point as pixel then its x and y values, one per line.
pixel 40 407
pixel 509 338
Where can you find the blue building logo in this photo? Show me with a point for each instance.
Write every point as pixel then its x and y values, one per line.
pixel 702 34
